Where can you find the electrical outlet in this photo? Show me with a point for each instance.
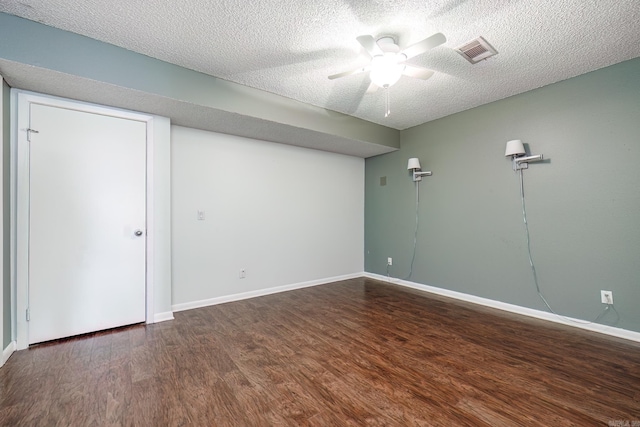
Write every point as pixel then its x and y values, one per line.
pixel 606 297
pixel 242 274
pixel 389 261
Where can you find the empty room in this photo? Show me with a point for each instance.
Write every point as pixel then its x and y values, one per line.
pixel 340 213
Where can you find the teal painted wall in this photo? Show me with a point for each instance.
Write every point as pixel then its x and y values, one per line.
pixel 583 204
pixel 6 265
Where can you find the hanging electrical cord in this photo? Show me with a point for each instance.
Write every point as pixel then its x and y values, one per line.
pixel 533 267
pixel 413 165
pixel 415 235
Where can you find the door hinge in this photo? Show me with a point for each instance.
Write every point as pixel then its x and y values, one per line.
pixel 28 315
pixel 29 131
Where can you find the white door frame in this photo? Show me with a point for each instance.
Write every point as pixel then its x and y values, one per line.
pixel 2 337
pixel 24 99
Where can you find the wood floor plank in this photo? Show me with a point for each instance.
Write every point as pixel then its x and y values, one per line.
pixel 353 353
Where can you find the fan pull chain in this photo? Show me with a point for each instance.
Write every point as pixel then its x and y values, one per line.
pixel 387 103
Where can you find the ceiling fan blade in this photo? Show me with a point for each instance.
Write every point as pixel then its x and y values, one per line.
pixel 417 72
pixel 373 88
pixel 370 45
pixel 350 73
pixel 423 46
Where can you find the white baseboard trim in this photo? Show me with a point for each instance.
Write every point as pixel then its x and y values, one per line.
pixel 260 292
pixel 594 327
pixel 7 352
pixel 163 317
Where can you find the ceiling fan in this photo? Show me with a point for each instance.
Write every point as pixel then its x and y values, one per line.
pixel 388 62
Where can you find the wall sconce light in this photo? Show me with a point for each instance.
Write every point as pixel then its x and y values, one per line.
pixel 515 150
pixel 414 165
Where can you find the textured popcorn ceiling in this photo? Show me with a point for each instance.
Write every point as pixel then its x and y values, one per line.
pixel 289 47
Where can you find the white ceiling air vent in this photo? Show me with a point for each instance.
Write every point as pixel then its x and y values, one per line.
pixel 476 50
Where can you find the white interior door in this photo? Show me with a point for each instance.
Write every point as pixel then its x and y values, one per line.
pixel 87 199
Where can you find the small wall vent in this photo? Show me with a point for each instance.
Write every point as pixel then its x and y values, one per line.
pixel 476 50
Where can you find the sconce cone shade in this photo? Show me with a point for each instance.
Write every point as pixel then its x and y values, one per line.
pixel 414 163
pixel 514 148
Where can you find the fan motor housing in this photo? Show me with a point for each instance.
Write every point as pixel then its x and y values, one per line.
pixel 388 44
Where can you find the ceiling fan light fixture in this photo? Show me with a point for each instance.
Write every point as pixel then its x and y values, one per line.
pixel 388 62
pixel 386 70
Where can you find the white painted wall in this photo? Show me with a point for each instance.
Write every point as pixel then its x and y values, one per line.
pixel 286 214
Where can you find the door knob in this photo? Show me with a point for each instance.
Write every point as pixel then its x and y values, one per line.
pixel 138 233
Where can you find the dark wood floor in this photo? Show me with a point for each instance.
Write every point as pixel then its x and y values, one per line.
pixel 358 352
